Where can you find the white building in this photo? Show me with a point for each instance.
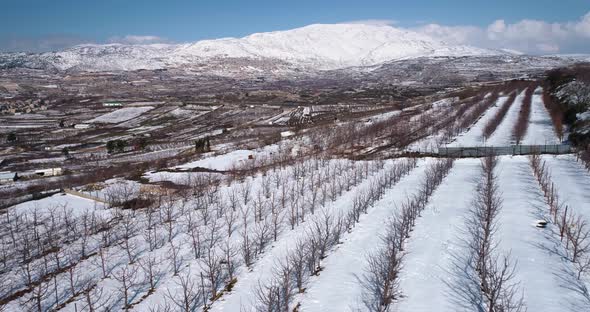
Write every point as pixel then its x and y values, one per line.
pixel 6 177
pixel 112 104
pixel 81 126
pixel 49 172
pixel 286 134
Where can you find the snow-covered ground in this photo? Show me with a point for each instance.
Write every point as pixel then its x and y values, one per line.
pixel 230 160
pixel 243 297
pixel 540 131
pixel 436 241
pixel 573 182
pixel 474 136
pixel 429 276
pixel 74 205
pixel 220 162
pixel 541 271
pixel 503 134
pixel 121 115
pixel 337 287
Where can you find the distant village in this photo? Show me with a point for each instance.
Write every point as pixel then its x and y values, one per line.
pixel 25 106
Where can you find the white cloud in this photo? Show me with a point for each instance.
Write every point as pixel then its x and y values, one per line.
pixel 529 36
pixel 375 22
pixel 583 26
pixel 452 34
pixel 133 39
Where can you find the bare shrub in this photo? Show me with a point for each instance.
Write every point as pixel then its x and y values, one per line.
pixel 496 273
pixel 522 123
pixel 380 281
pixel 190 297
pixel 555 112
pixel 493 124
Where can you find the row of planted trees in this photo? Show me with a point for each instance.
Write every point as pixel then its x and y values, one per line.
pixel 292 273
pixel 193 240
pixel 574 230
pixel 494 271
pixel 524 115
pixel 380 282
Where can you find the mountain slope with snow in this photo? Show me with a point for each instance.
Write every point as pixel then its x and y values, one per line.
pixel 331 46
pixel 319 46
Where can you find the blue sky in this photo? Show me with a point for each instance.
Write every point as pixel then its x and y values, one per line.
pixel 60 22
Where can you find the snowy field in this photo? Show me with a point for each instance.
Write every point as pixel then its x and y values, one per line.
pixel 233 159
pixel 540 127
pixel 73 205
pixel 121 115
pixel 540 131
pixel 301 236
pixel 337 287
pixel 503 135
pixel 474 136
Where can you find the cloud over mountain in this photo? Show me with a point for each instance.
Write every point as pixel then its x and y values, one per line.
pixel 528 36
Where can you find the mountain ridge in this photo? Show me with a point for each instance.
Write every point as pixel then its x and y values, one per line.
pixel 316 46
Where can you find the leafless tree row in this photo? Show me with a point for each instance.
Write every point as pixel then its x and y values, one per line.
pixel 380 280
pixel 522 123
pixel 39 246
pixel 496 273
pixel 396 130
pixel 480 108
pixel 574 230
pixel 291 274
pixel 259 215
pixel 466 115
pixel 555 112
pixel 218 230
pixel 493 124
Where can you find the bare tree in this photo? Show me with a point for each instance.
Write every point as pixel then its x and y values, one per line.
pixel 94 299
pixel 149 266
pixel 39 292
pixel 175 257
pixel 246 249
pixel 381 279
pixel 262 234
pixel 233 198
pixel 259 203
pixel 190 295
pixel 212 266
pixel 230 217
pixel 168 217
pixel 578 234
pixel 150 230
pixel 128 224
pixel 230 252
pixel 496 273
pixel 126 276
pixel 268 297
pixel 498 287
pixel 245 190
pixel 298 266
pixel 195 232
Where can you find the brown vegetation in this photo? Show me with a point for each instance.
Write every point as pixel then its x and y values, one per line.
pixel 496 272
pixel 555 112
pixel 522 124
pixel 380 281
pixel 574 230
pixel 493 124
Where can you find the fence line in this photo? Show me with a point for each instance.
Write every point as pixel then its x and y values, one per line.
pixel 83 195
pixel 481 151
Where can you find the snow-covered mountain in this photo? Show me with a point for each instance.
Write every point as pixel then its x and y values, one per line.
pixel 317 46
pixel 330 46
